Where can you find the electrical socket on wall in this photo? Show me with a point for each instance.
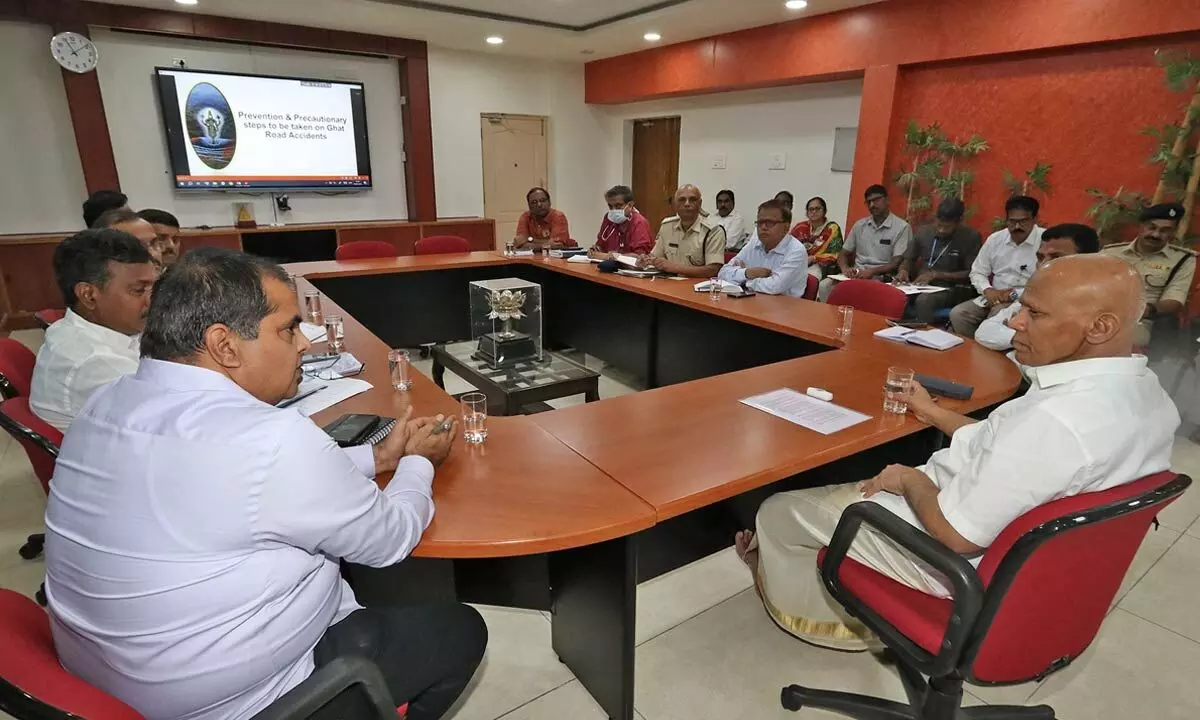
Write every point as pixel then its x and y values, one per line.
pixel 718 162
pixel 777 161
pixel 179 63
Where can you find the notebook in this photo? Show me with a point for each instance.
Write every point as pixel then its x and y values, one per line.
pixel 933 338
pixel 726 286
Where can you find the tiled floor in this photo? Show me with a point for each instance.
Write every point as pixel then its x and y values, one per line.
pixel 707 650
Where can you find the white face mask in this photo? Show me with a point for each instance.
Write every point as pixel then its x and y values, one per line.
pixel 617 217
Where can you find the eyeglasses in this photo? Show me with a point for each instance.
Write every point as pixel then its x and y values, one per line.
pixel 768 224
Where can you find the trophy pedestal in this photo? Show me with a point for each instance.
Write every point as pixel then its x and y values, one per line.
pixel 500 349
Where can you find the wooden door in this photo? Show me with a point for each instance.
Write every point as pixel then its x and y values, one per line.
pixel 655 167
pixel 514 160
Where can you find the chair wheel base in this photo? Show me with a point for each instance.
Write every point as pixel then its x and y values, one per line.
pixel 40 596
pixel 33 547
pixel 791 698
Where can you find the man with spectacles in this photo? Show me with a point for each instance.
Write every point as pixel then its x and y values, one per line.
pixel 1166 270
pixel 166 234
pixel 876 245
pixel 774 262
pixel 1005 263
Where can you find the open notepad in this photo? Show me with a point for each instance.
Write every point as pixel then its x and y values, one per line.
pixel 933 338
pixel 726 286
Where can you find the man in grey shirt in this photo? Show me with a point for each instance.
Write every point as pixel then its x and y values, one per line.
pixel 941 254
pixel 875 246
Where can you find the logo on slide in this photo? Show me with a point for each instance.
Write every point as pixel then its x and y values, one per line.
pixel 210 126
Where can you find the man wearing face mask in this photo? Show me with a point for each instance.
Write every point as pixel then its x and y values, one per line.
pixel 624 229
pixel 1166 271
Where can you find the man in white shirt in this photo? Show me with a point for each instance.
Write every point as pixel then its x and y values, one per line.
pixel 731 220
pixel 194 530
pixel 774 262
pixel 1070 433
pixel 1004 264
pixel 1058 241
pixel 105 277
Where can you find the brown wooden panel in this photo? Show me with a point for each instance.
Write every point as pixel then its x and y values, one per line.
pixel 230 241
pixel 358 42
pixel 403 237
pixel 418 139
pixel 29 278
pixel 11 9
pixel 405 48
pixel 148 20
pixel 223 28
pixel 656 167
pixel 296 36
pixel 90 124
pixel 481 234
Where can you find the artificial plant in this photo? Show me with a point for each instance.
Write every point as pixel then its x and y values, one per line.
pixel 930 169
pixel 1034 181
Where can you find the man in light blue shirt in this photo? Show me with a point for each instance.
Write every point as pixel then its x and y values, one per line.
pixel 773 263
pixel 194 530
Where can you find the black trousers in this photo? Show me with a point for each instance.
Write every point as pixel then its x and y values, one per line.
pixel 426 653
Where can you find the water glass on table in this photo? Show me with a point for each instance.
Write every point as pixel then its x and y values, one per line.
pixel 714 290
pixel 895 390
pixel 845 321
pixel 474 418
pixel 312 306
pixel 399 363
pixel 335 333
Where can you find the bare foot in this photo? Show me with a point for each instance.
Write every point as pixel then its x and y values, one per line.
pixel 741 543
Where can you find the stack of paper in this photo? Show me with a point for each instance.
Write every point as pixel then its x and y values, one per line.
pixel 933 338
pixel 726 286
pixel 313 333
pixel 818 415
pixel 581 259
pixel 331 394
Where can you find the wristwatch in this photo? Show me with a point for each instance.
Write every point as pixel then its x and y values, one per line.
pixel 1012 296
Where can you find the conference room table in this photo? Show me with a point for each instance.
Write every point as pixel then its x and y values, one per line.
pixel 568 510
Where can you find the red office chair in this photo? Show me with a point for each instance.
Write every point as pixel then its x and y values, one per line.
pixel 49 316
pixel 441 245
pixel 35 686
pixel 16 369
pixel 810 290
pixel 730 255
pixel 1035 603
pixel 40 440
pixel 365 250
pixel 870 296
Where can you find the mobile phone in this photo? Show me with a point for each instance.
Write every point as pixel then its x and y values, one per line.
pixel 745 293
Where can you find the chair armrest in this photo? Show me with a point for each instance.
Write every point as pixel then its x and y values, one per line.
pixel 967 589
pixel 329 682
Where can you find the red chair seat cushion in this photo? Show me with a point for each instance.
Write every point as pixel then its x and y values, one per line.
pixel 920 617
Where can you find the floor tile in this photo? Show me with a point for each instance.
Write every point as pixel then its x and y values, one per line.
pixel 569 701
pixel 1155 545
pixel 1185 458
pixel 671 599
pixel 25 577
pixel 1167 594
pixel 518 667
pixel 1135 669
pixel 731 662
pixel 1194 529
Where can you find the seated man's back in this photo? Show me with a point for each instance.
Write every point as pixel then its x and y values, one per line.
pixel 106 277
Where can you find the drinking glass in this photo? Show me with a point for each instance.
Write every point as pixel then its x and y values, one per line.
pixel 845 321
pixel 474 417
pixel 510 247
pixel 312 306
pixel 334 332
pixel 714 290
pixel 399 363
pixel 895 397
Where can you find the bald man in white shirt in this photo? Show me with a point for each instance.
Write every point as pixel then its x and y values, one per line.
pixel 1070 433
pixel 194 530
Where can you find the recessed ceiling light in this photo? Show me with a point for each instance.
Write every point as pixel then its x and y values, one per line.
pixel 187 2
pixel 652 37
pixel 796 4
pixel 495 40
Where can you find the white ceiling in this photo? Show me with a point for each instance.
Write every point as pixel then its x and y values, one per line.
pixel 685 21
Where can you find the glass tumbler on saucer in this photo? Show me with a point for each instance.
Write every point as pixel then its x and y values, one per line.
pixel 474 418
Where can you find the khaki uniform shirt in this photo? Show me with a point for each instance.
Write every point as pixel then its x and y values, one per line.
pixel 1156 270
pixel 702 244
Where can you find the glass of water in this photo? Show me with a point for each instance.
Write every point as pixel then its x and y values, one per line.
pixel 400 365
pixel 895 390
pixel 312 306
pixel 714 290
pixel 510 246
pixel 474 417
pixel 335 333
pixel 845 321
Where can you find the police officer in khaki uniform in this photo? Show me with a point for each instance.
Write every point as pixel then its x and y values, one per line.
pixel 688 244
pixel 1166 270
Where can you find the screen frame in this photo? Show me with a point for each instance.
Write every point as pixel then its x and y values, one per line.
pixel 166 105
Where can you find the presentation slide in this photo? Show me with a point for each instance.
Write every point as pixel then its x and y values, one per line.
pixel 242 131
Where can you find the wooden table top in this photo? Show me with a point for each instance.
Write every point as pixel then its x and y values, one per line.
pixel 554 481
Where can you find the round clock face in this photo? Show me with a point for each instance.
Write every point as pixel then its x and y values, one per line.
pixel 74 52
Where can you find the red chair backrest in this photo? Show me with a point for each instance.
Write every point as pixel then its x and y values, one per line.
pixel 38 438
pixel 1052 575
pixel 29 666
pixel 442 244
pixel 365 249
pixel 49 316
pixel 870 296
pixel 16 365
pixel 810 290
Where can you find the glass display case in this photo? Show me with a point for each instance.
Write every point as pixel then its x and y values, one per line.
pixel 506 321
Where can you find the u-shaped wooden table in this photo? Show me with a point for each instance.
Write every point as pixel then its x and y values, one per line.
pixel 557 501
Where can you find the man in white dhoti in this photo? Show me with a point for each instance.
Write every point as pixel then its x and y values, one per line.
pixel 1094 417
